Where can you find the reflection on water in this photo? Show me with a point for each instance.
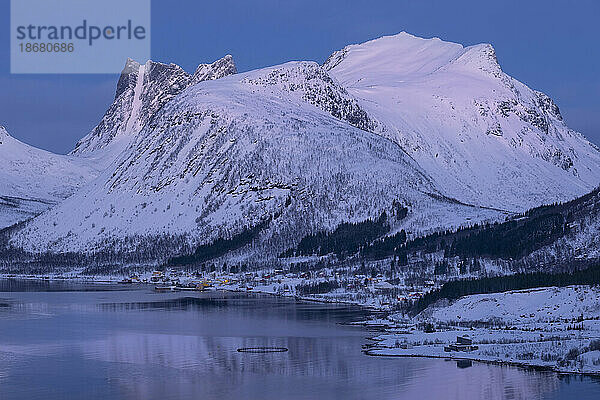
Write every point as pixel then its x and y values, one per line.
pixel 38 285
pixel 136 344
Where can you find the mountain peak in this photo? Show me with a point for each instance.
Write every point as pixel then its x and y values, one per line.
pixel 128 76
pixel 130 65
pixel 401 56
pixel 4 135
pixel 480 56
pixel 453 109
pixel 404 56
pixel 141 91
pixel 218 69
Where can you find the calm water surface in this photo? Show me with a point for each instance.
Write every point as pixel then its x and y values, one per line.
pixel 81 341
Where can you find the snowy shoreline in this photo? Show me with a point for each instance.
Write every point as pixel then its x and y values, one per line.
pixel 380 352
pixel 553 329
pixel 533 367
pixel 117 280
pixel 547 329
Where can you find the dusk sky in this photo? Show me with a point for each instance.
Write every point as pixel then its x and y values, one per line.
pixel 551 46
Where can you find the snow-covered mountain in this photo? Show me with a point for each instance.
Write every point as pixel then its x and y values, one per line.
pixel 482 136
pixel 234 153
pixel 220 68
pixel 299 147
pixel 33 180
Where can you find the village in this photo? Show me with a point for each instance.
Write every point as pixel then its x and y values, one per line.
pixel 327 285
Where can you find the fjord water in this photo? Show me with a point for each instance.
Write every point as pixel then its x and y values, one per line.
pixel 84 341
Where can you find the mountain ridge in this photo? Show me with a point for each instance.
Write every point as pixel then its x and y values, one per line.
pixel 229 153
pixel 154 87
pixel 431 125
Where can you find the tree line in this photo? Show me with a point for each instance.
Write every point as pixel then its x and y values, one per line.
pixel 345 240
pixel 219 247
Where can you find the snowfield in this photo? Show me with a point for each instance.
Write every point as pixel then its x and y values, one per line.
pixel 552 328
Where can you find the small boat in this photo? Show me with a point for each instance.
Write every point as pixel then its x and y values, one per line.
pixel 164 288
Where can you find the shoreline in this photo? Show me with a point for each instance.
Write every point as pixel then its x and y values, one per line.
pixel 539 368
pixel 522 365
pixel 383 325
pixel 116 281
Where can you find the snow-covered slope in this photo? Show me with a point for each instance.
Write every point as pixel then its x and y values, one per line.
pixel 33 180
pixel 531 305
pixel 231 154
pixel 484 137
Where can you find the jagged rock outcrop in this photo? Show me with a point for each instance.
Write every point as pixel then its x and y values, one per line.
pixel 219 69
pixel 142 90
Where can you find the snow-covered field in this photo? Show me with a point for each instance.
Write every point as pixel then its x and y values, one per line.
pixel 544 305
pixel 552 328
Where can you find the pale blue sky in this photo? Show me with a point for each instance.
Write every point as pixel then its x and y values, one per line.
pixel 550 45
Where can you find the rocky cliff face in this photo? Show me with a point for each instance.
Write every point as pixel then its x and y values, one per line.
pixel 142 90
pixel 219 69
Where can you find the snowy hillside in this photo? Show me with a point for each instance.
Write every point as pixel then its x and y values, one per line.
pixel 525 306
pixel 33 180
pixel 551 328
pixel 484 137
pixel 582 239
pixel 227 155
